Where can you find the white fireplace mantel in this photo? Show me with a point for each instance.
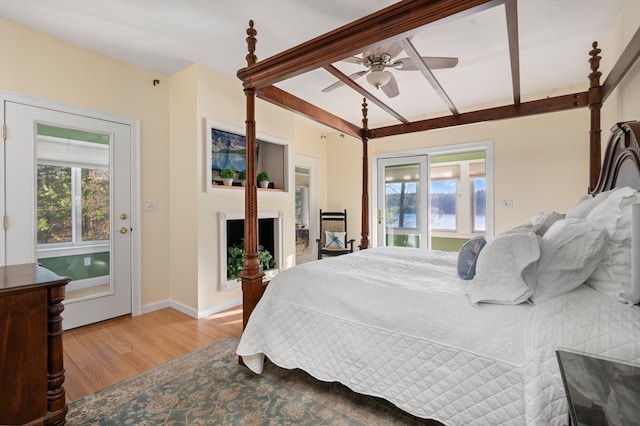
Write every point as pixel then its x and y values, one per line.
pixel 278 255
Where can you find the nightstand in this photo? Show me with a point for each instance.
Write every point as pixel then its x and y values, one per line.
pixel 600 391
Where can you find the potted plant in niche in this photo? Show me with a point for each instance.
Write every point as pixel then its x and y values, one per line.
pixel 228 175
pixel 263 179
pixel 242 175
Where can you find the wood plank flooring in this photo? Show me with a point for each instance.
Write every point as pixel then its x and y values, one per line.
pixel 99 355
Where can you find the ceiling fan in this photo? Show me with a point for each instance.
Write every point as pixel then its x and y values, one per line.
pixel 379 59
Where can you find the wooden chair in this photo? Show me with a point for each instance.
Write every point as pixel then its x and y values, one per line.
pixel 333 239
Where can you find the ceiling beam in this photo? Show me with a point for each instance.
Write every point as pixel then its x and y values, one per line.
pixel 397 21
pixel 410 50
pixel 558 103
pixel 511 11
pixel 629 56
pixel 355 86
pixel 289 102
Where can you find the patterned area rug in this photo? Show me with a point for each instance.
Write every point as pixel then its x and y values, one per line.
pixel 208 386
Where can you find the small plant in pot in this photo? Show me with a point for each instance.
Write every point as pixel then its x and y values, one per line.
pixel 263 179
pixel 242 176
pixel 228 175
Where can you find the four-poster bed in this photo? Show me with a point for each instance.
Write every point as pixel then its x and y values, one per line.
pixel 508 388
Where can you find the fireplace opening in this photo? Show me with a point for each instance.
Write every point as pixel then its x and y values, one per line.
pixel 235 234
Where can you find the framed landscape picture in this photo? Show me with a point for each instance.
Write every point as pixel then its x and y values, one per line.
pixel 228 150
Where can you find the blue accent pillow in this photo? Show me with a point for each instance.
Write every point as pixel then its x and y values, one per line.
pixel 467 257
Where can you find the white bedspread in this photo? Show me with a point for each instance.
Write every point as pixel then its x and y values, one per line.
pixel 397 323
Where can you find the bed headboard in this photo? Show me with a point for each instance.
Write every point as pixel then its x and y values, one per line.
pixel 621 165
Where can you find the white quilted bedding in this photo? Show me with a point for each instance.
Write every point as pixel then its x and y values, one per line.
pixel 397 323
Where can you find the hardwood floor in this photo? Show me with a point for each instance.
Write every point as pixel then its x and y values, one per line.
pixel 99 355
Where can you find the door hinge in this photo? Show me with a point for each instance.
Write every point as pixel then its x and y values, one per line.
pixel 5 222
pixel 4 132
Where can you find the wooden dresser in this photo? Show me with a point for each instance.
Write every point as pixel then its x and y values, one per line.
pixel 31 357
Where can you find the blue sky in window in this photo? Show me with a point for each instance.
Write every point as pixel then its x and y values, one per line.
pixel 479 184
pixel 443 186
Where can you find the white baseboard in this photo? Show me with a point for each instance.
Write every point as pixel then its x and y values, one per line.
pixel 188 310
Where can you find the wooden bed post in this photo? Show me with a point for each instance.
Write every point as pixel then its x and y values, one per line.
pixel 364 241
pixel 595 105
pixel 252 286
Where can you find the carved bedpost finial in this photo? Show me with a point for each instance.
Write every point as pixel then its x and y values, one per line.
pixel 251 44
pixel 594 76
pixel 365 110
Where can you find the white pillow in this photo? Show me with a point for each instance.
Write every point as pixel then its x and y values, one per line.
pixel 334 240
pixel 504 269
pixel 569 253
pixel 539 223
pixel 614 213
pixel 613 274
pixel 585 204
pixel 543 221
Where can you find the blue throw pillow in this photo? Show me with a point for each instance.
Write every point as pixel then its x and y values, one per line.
pixel 467 257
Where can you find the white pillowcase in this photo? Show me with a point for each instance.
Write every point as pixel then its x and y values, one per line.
pixel 614 213
pixel 504 268
pixel 584 205
pixel 569 253
pixel 613 274
pixel 539 223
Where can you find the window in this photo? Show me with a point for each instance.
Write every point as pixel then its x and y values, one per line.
pixel 443 204
pixel 73 187
pixel 458 194
pixel 73 205
pixel 479 204
pixel 401 200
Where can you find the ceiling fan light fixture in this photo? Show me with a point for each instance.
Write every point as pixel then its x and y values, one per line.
pixel 378 78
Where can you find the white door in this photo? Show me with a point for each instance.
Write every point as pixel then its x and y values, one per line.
pixel 68 205
pixel 403 202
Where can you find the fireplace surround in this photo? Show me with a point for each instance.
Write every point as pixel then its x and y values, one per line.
pixel 231 232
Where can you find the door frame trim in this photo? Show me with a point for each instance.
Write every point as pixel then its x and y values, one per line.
pixel 313 164
pixel 134 123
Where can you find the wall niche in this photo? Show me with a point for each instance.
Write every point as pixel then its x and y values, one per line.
pixel 226 148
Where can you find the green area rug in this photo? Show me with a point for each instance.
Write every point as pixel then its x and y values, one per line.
pixel 209 387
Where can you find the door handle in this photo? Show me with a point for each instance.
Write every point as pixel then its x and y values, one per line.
pixel 124 230
pixel 379 216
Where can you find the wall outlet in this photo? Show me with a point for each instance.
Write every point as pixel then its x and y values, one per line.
pixel 87 261
pixel 507 204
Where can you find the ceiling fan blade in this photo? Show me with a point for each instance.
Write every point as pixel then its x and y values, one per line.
pixel 391 88
pixel 339 83
pixel 433 62
pixel 352 60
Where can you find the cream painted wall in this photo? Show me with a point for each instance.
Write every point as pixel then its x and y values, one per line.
pixel 184 185
pixel 200 94
pixel 45 67
pixel 540 163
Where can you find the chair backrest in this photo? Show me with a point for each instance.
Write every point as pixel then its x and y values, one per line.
pixel 333 222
